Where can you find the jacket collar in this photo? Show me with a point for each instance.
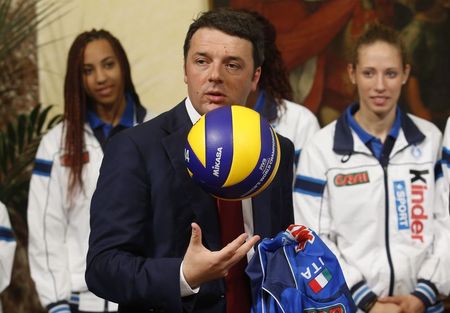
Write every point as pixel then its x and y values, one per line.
pixel 177 119
pixel 135 111
pixel 344 139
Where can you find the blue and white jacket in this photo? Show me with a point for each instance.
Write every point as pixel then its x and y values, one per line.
pixel 291 120
pixel 7 249
pixel 384 222
pixel 59 226
pixel 296 272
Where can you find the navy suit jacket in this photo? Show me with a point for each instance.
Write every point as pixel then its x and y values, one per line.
pixel 141 215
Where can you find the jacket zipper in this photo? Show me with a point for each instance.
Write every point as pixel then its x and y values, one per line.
pixel 388 250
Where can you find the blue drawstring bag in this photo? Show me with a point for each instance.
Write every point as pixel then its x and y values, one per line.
pixel 296 272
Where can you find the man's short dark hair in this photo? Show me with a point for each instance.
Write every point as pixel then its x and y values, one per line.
pixel 231 22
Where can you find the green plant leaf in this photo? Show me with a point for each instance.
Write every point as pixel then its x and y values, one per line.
pixel 32 121
pixel 21 131
pixel 54 120
pixel 19 22
pixel 11 140
pixel 18 146
pixel 4 9
pixel 41 119
pixel 3 154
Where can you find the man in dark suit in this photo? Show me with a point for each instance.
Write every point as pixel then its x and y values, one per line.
pixel 156 242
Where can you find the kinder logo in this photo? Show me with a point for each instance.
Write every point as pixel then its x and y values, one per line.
pixel 418 216
pixel 335 308
pixel 341 180
pixel 401 204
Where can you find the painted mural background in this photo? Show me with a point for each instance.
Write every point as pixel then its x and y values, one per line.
pixel 316 36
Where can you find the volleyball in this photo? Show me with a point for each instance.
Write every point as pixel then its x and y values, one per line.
pixel 232 152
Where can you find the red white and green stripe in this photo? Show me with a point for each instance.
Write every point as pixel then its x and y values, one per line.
pixel 320 281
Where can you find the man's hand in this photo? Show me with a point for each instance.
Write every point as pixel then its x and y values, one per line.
pixel 381 307
pixel 201 265
pixel 407 303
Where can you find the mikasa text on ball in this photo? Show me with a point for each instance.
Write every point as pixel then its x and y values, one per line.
pixel 232 152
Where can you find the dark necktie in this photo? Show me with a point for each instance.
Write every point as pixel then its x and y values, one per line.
pixel 237 283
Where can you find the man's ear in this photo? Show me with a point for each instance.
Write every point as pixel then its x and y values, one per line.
pixel 256 77
pixel 184 70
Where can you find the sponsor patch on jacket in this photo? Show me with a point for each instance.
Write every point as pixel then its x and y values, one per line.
pixel 410 204
pixel 335 308
pixel 401 204
pixel 419 186
pixel 67 161
pixel 320 281
pixel 351 179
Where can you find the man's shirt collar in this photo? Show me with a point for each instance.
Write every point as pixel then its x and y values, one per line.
pixel 194 116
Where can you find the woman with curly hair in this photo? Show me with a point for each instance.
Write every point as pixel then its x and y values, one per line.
pixel 273 98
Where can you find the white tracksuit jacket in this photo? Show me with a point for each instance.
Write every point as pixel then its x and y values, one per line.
pixel 385 225
pixel 59 228
pixel 7 249
pixel 296 123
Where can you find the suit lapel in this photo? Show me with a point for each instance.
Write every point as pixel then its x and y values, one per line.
pixel 261 211
pixel 267 205
pixel 202 204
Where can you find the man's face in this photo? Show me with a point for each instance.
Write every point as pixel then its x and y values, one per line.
pixel 219 70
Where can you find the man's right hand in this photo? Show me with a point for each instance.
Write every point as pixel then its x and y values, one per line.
pixel 201 265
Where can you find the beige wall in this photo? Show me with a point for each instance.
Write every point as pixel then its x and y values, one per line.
pixel 151 31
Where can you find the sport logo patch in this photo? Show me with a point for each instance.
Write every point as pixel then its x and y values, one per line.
pixel 320 281
pixel 335 308
pixel 418 203
pixel 341 180
pixel 216 167
pixel 401 204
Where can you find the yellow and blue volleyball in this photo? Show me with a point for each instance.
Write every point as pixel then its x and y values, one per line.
pixel 232 152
